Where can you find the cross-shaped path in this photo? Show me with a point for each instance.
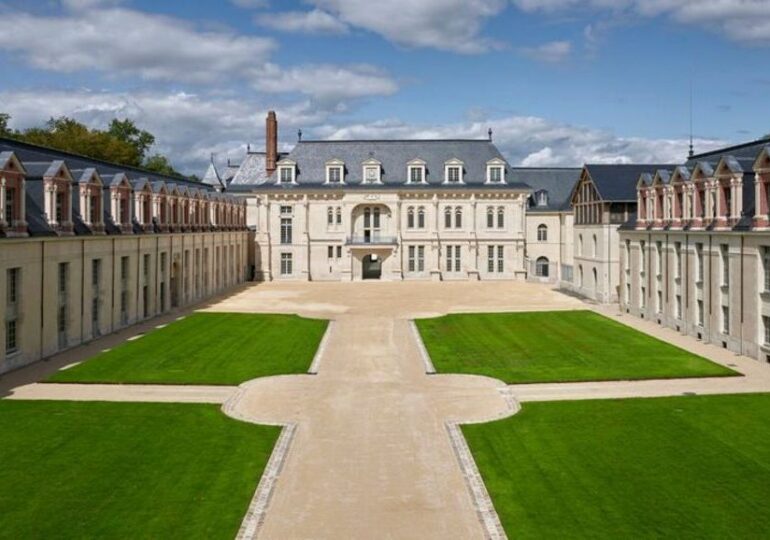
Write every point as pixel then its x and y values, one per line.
pixel 371 451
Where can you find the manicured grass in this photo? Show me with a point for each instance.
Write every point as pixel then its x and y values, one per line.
pixel 126 470
pixel 683 467
pixel 207 348
pixel 555 346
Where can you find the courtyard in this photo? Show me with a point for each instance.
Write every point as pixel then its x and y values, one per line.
pixel 372 442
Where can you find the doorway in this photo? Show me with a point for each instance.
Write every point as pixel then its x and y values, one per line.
pixel 371 267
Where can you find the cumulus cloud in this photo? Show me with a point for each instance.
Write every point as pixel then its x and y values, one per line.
pixel 127 43
pixel 533 141
pixel 552 52
pixel 745 21
pixel 308 22
pixel 451 25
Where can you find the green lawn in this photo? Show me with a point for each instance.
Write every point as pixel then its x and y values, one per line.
pixel 683 467
pixel 126 470
pixel 207 348
pixel 554 346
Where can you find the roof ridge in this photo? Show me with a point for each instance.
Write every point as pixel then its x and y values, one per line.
pixel 762 141
pixel 303 141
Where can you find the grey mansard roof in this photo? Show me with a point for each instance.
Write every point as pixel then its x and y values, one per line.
pixel 618 182
pixel 394 156
pixel 556 181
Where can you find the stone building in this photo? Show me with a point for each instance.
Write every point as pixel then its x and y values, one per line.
pixel 389 209
pixel 89 247
pixel 602 200
pixel 697 256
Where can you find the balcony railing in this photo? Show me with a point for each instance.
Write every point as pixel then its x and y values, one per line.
pixel 371 240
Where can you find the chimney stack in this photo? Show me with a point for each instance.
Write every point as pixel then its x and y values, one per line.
pixel 271 142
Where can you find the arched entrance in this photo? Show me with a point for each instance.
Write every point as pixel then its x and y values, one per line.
pixel 371 267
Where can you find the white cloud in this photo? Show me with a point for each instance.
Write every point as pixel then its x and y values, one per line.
pixel 452 25
pixel 328 83
pixel 130 43
pixel 309 22
pixel 551 52
pixel 126 43
pixel 746 21
pixel 534 141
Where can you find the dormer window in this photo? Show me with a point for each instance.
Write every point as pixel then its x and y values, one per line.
pixel 453 171
pixel 416 171
pixel 541 198
pixel 335 171
pixel 495 171
pixel 372 171
pixel 286 175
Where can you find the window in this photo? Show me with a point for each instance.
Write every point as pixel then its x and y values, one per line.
pixel 124 289
pixel 490 217
pixel 12 310
pixel 541 198
pixel 410 217
pixel 766 267
pixel 596 280
pixel 10 198
pixel 286 230
pixel 580 244
pixel 643 297
pixel 580 275
pixel 726 320
pixel 643 256
pixel 627 262
pixel 500 217
pixel 453 258
pixel 593 246
pixel 330 216
pixel 286 174
pixel 699 256
pixel 678 306
pixel 421 217
pixel 658 258
pixel 286 264
pixel 541 267
pixel 678 256
pixel 659 302
pixel 542 233
pixel 371 174
pixel 495 262
pixel 724 251
pixel 766 327
pixel 63 281
pixel 700 313
pixel 416 174
pixel 334 175
pixel 448 218
pixel 339 216
pixel 416 258
pixel 286 210
pixel 495 175
pixel 339 252
pixel 330 252
pixel 453 174
pixel 458 218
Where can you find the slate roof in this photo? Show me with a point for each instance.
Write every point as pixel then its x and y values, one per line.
pixel 617 183
pixel 557 182
pixel 746 150
pixel 394 155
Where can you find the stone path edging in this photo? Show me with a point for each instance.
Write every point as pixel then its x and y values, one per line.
pixel 482 502
pixel 255 515
pixel 429 368
pixel 315 364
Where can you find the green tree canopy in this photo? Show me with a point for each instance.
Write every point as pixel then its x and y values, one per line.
pixel 122 142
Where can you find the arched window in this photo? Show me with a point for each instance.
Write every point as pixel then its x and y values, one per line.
pixel 593 243
pixel 541 267
pixel 339 215
pixel 595 279
pixel 458 218
pixel 490 217
pixel 410 218
pixel 376 223
pixel 448 218
pixel 330 216
pixel 500 217
pixel 542 233
pixel 367 217
pixel 580 245
pixel 580 276
pixel 421 217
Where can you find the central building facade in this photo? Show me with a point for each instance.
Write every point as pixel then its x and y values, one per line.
pixel 385 209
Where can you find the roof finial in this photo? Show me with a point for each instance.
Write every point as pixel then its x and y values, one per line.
pixel 692 153
pixel 489 134
pixel 248 148
pixel 299 135
pixel 212 157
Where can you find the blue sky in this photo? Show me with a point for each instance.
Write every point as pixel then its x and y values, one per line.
pixel 561 82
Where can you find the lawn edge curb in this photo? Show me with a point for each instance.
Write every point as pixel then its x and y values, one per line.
pixel 482 502
pixel 316 363
pixel 429 368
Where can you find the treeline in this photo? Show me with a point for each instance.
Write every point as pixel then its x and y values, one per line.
pixel 122 142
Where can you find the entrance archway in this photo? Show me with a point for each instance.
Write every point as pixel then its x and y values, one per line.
pixel 371 267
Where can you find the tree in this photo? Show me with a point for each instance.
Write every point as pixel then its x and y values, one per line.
pixel 125 130
pixel 160 164
pixel 122 142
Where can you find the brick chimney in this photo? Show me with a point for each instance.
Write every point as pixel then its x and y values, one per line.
pixel 271 142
